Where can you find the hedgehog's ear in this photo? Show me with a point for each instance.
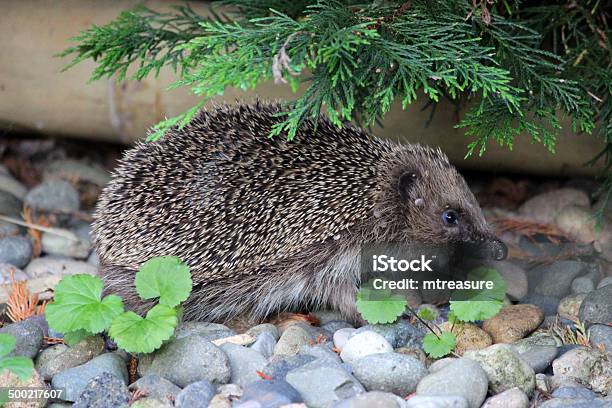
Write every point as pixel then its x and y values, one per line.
pixel 405 183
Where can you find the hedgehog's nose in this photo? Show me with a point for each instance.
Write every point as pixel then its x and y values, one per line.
pixel 499 250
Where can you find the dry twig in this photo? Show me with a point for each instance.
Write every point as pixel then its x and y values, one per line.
pixel 529 228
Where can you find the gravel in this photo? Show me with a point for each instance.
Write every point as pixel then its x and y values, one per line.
pixel 67 244
pixel 187 360
pixel 59 357
pixel 10 185
pixel 374 399
pixel 601 334
pixel 156 386
pixel 321 352
pixel 389 372
pixel 399 334
pixel 16 250
pixel 597 306
pixel 53 196
pixel 341 336
pixel 9 204
pixel 539 358
pixel 270 394
pixel 74 380
pixel 505 369
pixel 512 398
pixel 280 365
pixel 195 395
pixel 28 336
pixel 244 363
pixel 321 383
pixel 292 339
pixel 255 331
pixel 555 279
pixel 363 344
pixel 264 344
pixel 56 266
pixel 103 391
pixel 460 377
pixel 210 331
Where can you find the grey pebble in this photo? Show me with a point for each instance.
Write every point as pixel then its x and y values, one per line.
pixel 280 365
pixel 244 363
pixel 210 331
pixel 187 360
pixel 389 372
pixel 74 380
pixel 264 344
pixel 53 195
pixel 373 399
pixel 156 386
pixel 321 383
pixel 195 395
pixel 461 377
pixel 28 336
pixel 103 391
pixel 16 250
pixel 270 394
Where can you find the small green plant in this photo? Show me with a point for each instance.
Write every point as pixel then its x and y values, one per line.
pixel 79 310
pixel 466 306
pixel 378 306
pixel 437 346
pixel 21 366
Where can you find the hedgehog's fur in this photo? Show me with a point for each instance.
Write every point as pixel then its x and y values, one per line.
pixel 268 225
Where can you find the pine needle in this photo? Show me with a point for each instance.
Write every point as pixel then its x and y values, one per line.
pixel 21 304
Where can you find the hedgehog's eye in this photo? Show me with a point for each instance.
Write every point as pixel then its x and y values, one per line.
pixel 450 218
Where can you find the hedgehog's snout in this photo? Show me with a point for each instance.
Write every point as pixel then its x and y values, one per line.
pixel 485 248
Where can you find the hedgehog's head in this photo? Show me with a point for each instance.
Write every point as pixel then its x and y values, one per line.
pixel 436 203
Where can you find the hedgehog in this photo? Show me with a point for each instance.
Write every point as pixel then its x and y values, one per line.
pixel 268 225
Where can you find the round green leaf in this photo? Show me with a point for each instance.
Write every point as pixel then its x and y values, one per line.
pixel 72 338
pixel 377 307
pixel 479 304
pixel 7 343
pixel 165 277
pixel 78 304
pixel 437 347
pixel 20 366
pixel 144 335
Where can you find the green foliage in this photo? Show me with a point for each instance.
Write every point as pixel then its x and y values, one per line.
pixel 479 304
pixel 515 65
pixel 379 306
pixel 166 278
pixel 142 38
pixel 474 305
pixel 144 335
pixel 439 346
pixel 78 305
pixel 79 310
pixel 427 313
pixel 20 366
pixel 73 337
